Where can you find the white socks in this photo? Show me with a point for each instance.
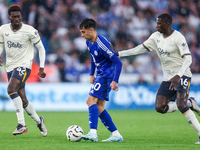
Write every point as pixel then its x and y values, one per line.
pixel 190 116
pixel 172 107
pixel 17 103
pixel 116 133
pixel 32 113
pixel 93 131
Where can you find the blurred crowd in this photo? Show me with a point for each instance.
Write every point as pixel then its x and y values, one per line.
pixel 126 23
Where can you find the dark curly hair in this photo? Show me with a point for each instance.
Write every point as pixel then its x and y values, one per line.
pixel 87 23
pixel 166 18
pixel 13 8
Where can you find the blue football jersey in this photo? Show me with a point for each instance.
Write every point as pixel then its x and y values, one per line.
pixel 102 56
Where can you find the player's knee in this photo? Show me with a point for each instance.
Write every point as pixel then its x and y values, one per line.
pixel 159 108
pixel 11 89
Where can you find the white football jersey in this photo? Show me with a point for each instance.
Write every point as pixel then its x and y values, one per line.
pixel 170 51
pixel 19 46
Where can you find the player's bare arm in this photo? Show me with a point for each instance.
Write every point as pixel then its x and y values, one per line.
pixel 41 73
pixel 114 86
pixel 92 78
pixel 174 82
pixel 176 79
pixel 0 61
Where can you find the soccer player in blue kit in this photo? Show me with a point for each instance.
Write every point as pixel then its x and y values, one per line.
pixel 108 69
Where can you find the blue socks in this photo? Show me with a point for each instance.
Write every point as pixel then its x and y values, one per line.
pixel 107 121
pixel 104 116
pixel 93 116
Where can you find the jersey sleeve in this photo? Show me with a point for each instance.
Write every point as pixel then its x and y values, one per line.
pixel 106 50
pixel 34 35
pixel 1 36
pixel 110 54
pixel 1 41
pixel 92 70
pixel 150 44
pixel 182 45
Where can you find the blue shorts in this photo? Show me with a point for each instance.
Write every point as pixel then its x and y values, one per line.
pixel 20 73
pixel 183 87
pixel 101 88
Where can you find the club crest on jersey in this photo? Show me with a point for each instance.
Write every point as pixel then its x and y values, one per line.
pixel 184 45
pixel 23 36
pixel 158 41
pixel 6 34
pixel 96 53
pixel 171 43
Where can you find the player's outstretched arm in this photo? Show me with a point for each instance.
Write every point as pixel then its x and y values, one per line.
pixel 133 51
pixel 41 73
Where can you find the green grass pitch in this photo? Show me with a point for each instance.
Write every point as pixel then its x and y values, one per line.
pixel 141 130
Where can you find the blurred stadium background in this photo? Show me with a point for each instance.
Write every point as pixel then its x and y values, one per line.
pixel 126 23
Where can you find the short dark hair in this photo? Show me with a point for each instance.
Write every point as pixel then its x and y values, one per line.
pixel 13 8
pixel 166 18
pixel 87 23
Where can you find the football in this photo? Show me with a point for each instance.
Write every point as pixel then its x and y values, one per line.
pixel 74 133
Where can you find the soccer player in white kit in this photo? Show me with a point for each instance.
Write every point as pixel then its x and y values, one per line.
pixel 172 49
pixel 19 40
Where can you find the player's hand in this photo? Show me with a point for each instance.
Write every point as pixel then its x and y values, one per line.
pixel 0 61
pixel 117 53
pixel 92 78
pixel 114 86
pixel 174 82
pixel 41 73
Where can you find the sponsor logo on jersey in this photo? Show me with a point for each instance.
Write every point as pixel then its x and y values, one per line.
pixel 15 45
pixel 110 53
pixel 36 34
pixel 162 52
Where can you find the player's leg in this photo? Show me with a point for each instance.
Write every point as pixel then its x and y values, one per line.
pixel 187 112
pixel 108 123
pixel 93 119
pixel 163 97
pixel 28 107
pixel 12 89
pixel 172 106
pixel 161 104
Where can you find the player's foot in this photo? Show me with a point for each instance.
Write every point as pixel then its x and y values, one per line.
pixel 90 136
pixel 198 141
pixel 114 139
pixel 41 126
pixel 20 129
pixel 195 107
